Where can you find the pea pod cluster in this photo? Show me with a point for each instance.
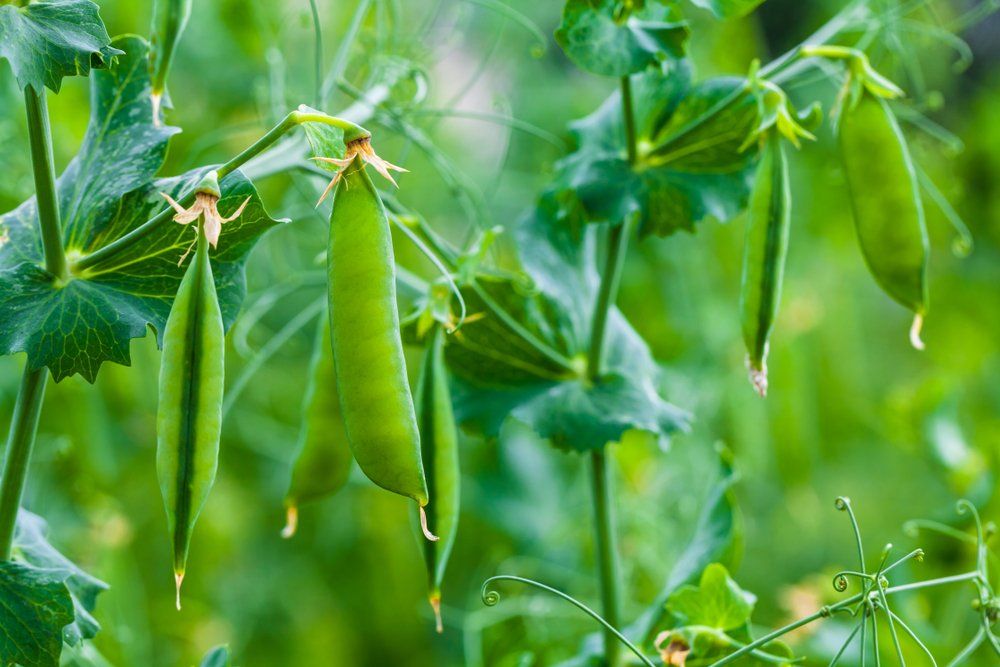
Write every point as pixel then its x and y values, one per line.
pixel 189 414
pixel 324 459
pixel 885 200
pixel 768 220
pixel 375 398
pixel 439 445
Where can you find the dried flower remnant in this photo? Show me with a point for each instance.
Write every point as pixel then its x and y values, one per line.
pixel 358 148
pixel 206 205
pixel 673 652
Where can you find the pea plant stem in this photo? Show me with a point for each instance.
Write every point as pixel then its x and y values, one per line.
pixel 20 441
pixel 600 482
pixel 351 130
pixel 40 139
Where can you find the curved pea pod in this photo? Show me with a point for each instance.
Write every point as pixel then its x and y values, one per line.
pixel 189 415
pixel 768 221
pixel 323 462
pixel 375 396
pixel 888 213
pixel 439 445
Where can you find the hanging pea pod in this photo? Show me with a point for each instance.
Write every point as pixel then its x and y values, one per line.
pixel 768 219
pixel 324 458
pixel 374 393
pixel 439 445
pixel 170 17
pixel 189 416
pixel 888 213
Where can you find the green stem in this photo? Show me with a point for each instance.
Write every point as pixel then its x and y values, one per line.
pixel 352 131
pixel 607 552
pixel 47 200
pixel 23 426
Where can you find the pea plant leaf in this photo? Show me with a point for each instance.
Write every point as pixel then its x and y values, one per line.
pixel 32 547
pixel 217 657
pixel 35 605
pixel 690 166
pixel 499 373
pixel 602 37
pixel 716 602
pixel 47 40
pixel 728 9
pixel 107 191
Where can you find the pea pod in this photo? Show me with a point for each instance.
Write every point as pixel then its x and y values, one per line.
pixel 375 396
pixel 189 416
pixel 324 459
pixel 170 17
pixel 768 218
pixel 888 213
pixel 439 445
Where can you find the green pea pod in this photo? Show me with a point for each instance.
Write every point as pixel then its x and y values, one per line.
pixel 768 218
pixel 439 444
pixel 189 417
pixel 170 17
pixel 888 213
pixel 324 458
pixel 375 396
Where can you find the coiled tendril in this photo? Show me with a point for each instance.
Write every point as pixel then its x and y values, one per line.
pixel 491 598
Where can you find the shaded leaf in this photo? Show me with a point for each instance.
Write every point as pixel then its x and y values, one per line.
pixel 51 39
pixel 107 191
pixel 602 37
pixel 32 547
pixel 35 605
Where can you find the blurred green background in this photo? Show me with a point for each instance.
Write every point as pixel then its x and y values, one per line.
pixel 853 410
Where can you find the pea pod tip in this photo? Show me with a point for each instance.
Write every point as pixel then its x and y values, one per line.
pixel 435 601
pixel 918 324
pixel 423 526
pixel 758 376
pixel 178 580
pixel 291 522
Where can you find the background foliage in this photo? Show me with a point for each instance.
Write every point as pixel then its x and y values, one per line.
pixel 852 410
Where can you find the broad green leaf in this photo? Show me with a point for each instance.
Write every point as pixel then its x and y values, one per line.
pixel 602 37
pixel 728 9
pixel 51 39
pixel 32 547
pixel 716 602
pixel 217 657
pixel 35 606
pixel 498 373
pixel 107 191
pixel 690 166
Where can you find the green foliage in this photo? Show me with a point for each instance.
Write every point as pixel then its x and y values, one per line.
pixel 106 192
pixel 34 607
pixel 217 657
pixel 727 9
pixel 51 39
pixel 716 602
pixel 606 37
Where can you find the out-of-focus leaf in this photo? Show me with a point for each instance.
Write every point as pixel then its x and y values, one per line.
pixel 728 9
pixel 602 37
pixel 32 547
pixel 690 166
pixel 35 605
pixel 51 39
pixel 107 191
pixel 716 602
pixel 217 657
pixel 499 374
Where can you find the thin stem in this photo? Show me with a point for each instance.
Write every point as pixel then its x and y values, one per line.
pixel 23 426
pixel 822 613
pixel 293 119
pixel 491 598
pixel 968 576
pixel 610 280
pixel 45 182
pixel 628 115
pixel 318 55
pixel 607 551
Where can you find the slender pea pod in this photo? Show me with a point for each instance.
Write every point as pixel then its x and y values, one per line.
pixel 375 396
pixel 324 458
pixel 439 445
pixel 888 213
pixel 768 220
pixel 189 417
pixel 170 17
